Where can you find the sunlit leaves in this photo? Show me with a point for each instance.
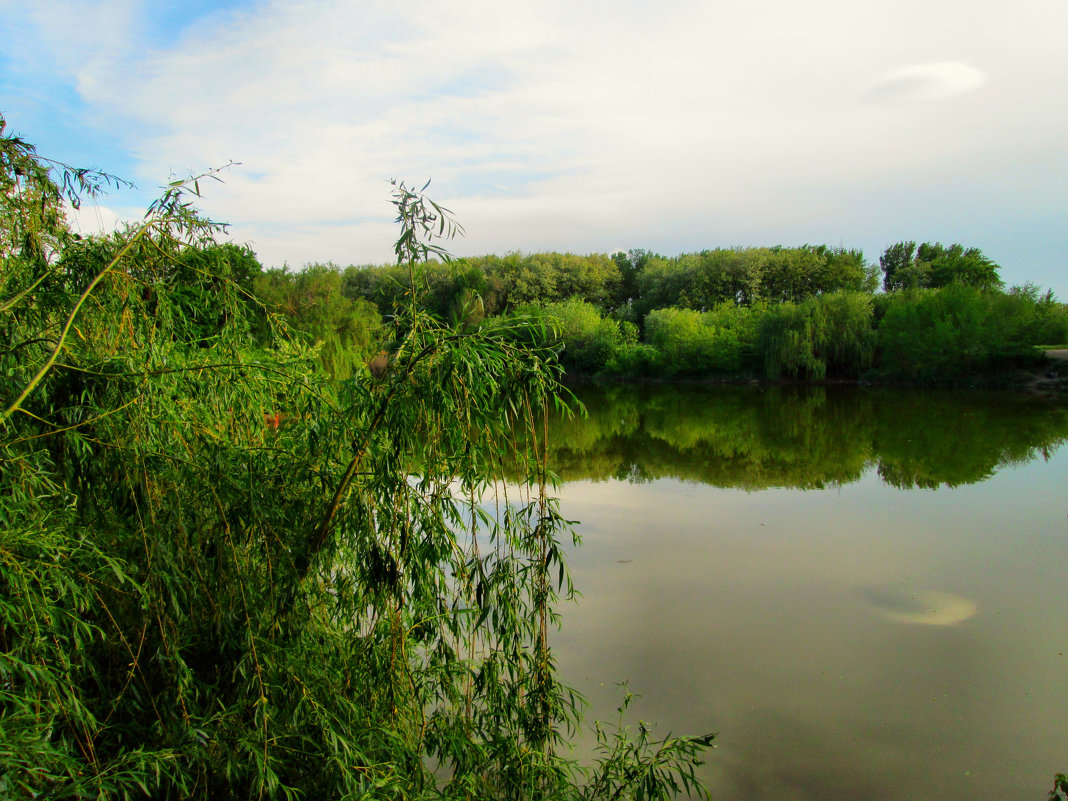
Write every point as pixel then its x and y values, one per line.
pixel 226 574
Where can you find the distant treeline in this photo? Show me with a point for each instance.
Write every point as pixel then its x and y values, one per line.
pixel 808 313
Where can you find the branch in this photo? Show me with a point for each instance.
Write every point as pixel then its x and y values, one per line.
pixel 322 531
pixel 47 366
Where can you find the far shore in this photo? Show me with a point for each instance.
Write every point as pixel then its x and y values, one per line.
pixel 1050 377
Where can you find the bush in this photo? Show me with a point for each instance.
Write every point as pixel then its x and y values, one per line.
pixel 717 342
pixel 826 336
pixel 960 331
pixel 586 341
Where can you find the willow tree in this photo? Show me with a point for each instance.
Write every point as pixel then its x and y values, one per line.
pixel 194 604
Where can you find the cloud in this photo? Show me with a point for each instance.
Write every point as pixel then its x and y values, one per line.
pixel 583 125
pixel 926 82
pixel 94 218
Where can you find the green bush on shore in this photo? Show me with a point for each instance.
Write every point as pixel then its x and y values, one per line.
pixel 960 331
pixel 948 334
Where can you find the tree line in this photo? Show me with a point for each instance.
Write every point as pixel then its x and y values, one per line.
pixel 807 313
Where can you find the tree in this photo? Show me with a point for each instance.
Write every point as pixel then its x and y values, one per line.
pixel 957 264
pixel 933 265
pixel 196 605
pixel 894 262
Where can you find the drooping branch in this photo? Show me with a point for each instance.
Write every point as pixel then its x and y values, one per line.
pixel 322 531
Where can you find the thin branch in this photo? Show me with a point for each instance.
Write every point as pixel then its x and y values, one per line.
pixel 47 366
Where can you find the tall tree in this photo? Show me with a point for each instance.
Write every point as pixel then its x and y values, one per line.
pixel 933 265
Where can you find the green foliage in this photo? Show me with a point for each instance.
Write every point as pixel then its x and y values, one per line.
pixel 1043 320
pixel 635 360
pixel 932 265
pixel 961 332
pixel 32 223
pixel 630 265
pixel 194 604
pixel 691 343
pixel 699 281
pixel 594 278
pixel 589 341
pixel 744 276
pixel 312 302
pixel 584 340
pixel 829 335
pixel 795 274
pixel 782 312
pixel 642 768
pixel 1060 788
pixel 500 284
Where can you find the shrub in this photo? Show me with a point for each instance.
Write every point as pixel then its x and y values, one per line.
pixel 586 341
pixel 960 331
pixel 695 343
pixel 829 335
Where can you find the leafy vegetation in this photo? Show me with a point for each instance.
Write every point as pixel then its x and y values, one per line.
pixel 341 604
pixel 1060 788
pixel 346 330
pixel 806 313
pixel 825 335
pixel 961 331
pixel 932 265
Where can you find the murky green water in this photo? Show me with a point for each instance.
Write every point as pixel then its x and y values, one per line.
pixel 865 593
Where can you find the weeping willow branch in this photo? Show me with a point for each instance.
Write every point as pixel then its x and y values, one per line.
pixel 168 211
pixel 9 304
pixel 322 531
pixel 47 366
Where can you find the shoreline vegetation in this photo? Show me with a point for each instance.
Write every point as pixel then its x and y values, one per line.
pixel 201 601
pixel 250 541
pixel 808 314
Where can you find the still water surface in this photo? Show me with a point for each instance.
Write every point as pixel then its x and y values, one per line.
pixel 864 593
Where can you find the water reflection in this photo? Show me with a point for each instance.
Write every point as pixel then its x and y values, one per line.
pixel 755 438
pixel 752 566
pixel 925 607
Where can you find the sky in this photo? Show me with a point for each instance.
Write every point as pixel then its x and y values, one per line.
pixel 582 126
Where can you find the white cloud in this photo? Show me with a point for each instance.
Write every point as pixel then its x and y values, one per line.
pixel 922 82
pixel 584 124
pixel 94 218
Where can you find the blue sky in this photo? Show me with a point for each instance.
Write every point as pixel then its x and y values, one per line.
pixel 585 125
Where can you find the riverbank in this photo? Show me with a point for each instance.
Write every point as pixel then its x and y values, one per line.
pixel 1053 377
pixel 1047 377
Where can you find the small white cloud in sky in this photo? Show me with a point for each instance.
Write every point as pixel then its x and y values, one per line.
pixel 93 218
pixel 922 82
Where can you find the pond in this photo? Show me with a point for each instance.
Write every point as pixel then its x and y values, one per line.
pixel 862 592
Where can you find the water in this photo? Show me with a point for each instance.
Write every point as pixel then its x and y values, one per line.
pixel 863 593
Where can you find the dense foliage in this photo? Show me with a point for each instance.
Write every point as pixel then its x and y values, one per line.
pixel 932 265
pixel 226 574
pixel 961 331
pixel 345 329
pixel 808 313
